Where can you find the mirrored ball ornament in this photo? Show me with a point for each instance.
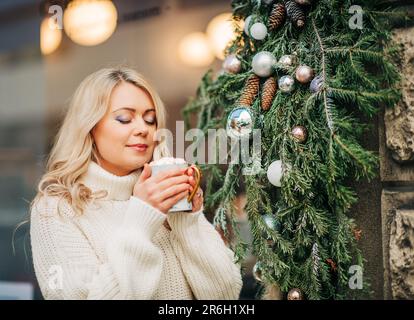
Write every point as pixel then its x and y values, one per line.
pixel 239 123
pixel 257 272
pixel 258 31
pixel 232 64
pixel 262 63
pixel 271 222
pixel 286 84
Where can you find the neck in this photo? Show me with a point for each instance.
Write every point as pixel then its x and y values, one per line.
pixel 119 187
pixel 111 168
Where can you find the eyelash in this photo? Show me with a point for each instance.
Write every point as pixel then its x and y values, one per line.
pixel 128 121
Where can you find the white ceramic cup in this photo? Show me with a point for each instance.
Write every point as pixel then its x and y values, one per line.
pixel 165 164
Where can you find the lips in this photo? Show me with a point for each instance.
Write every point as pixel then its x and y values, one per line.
pixel 138 146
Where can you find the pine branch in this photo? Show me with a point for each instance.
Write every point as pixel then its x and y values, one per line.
pixel 326 102
pixel 359 75
pixel 366 161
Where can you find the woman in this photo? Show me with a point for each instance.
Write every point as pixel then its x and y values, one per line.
pixel 100 227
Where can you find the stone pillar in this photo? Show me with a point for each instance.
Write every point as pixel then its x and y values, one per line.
pixel 397 177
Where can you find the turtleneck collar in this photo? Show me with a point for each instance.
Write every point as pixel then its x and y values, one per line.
pixel 119 187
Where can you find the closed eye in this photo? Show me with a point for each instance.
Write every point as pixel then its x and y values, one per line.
pixel 150 121
pixel 123 121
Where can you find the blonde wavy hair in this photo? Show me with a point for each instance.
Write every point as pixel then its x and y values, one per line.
pixel 74 148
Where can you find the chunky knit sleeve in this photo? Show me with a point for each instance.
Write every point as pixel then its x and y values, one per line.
pixel 206 261
pixel 67 267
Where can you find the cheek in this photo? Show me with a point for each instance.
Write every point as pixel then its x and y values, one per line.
pixel 110 136
pixel 151 137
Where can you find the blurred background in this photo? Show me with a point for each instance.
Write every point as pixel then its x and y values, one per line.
pixel 47 48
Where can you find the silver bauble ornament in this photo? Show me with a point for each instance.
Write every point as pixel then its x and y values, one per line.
pixel 295 294
pixel 258 31
pixel 239 123
pixel 262 63
pixel 232 64
pixel 304 74
pixel 286 84
pixel 257 272
pixel 316 84
pixel 288 60
pixel 246 25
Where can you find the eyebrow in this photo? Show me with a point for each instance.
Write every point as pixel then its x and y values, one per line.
pixel 132 109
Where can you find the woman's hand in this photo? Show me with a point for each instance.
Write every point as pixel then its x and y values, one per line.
pixel 164 190
pixel 198 199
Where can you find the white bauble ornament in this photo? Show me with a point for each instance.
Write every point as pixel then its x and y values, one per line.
pixel 262 63
pixel 258 31
pixel 275 173
pixel 246 25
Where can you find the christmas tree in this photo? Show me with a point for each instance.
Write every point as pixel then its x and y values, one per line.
pixel 306 74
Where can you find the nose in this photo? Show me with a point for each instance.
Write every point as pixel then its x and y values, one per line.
pixel 140 128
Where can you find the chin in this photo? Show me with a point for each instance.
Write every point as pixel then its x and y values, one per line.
pixel 135 164
pixel 138 161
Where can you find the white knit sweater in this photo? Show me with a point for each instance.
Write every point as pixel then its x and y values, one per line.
pixel 120 249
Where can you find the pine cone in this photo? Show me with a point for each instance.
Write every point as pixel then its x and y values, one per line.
pixel 277 16
pixel 268 93
pixel 295 13
pixel 251 88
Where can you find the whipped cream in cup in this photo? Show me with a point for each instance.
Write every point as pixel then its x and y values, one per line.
pixel 168 163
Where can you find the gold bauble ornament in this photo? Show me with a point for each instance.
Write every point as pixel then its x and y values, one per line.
pixel 304 74
pixel 300 133
pixel 304 2
pixel 357 234
pixel 232 64
pixel 295 294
